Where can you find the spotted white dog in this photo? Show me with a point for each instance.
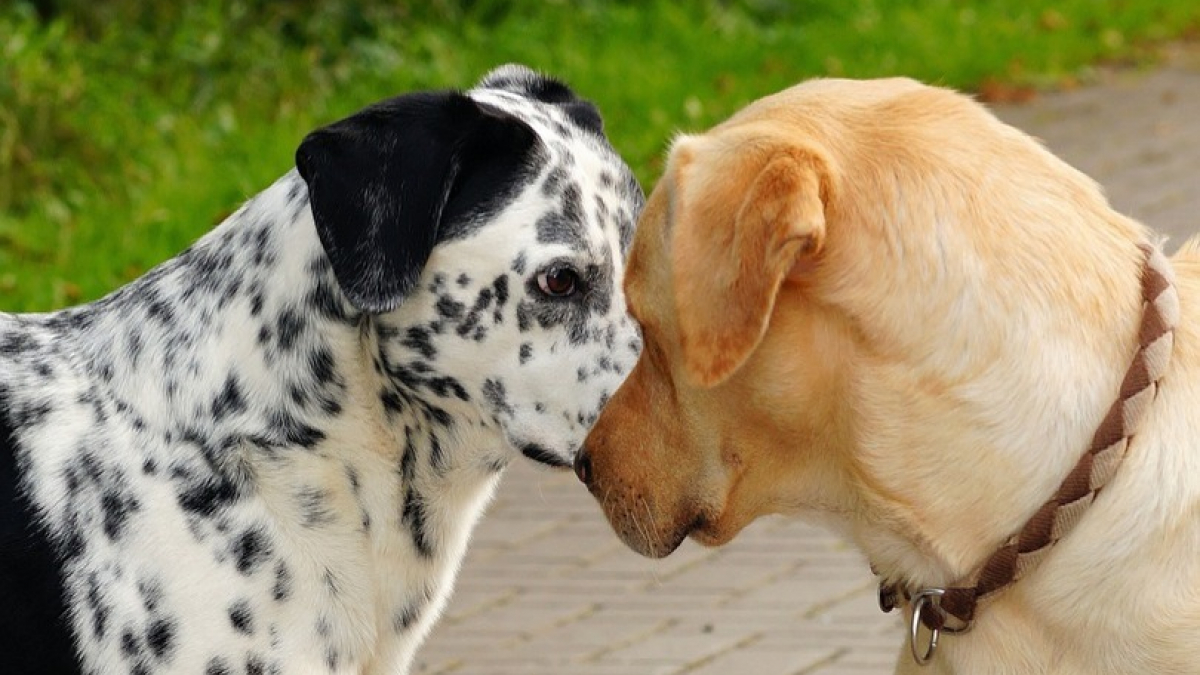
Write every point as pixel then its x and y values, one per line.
pixel 266 455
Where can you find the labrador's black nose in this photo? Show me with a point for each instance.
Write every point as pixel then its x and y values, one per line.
pixel 583 466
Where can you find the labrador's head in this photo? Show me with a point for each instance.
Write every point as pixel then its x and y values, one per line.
pixel 854 304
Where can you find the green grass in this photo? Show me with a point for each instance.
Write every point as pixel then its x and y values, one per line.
pixel 129 128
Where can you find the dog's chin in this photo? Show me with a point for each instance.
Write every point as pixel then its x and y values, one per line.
pixel 712 534
pixel 544 456
pixel 656 545
pixel 659 547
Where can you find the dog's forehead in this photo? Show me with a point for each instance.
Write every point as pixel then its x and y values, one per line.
pixel 584 194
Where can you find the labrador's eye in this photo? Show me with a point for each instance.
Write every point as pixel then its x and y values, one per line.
pixel 558 281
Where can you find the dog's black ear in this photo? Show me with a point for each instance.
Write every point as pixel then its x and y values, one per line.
pixel 379 182
pixel 522 80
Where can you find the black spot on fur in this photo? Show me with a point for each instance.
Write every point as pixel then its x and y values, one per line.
pixel 261 241
pixel 572 203
pixel 439 283
pixel 449 308
pixel 438 416
pixel 288 326
pixel 448 386
pixel 205 496
pixel 255 665
pixel 437 456
pixel 292 431
pixel 251 549
pixel 555 228
pixel 230 400
pixel 160 638
pixel 494 392
pixel 117 505
pixel 408 461
pixel 500 288
pixel 217 666
pixel 526 352
pixel 417 339
pixel 161 311
pixel 282 589
pixel 241 617
pixel 404 618
pixel 519 263
pixel 16 343
pixel 151 592
pixel 554 181
pixel 324 295
pixel 321 361
pixel 314 507
pixel 414 518
pixel 77 318
pixel 256 303
pixel 392 401
pixel 471 322
pixel 331 406
pixel 99 608
pixel 298 394
pixel 129 643
pixel 525 318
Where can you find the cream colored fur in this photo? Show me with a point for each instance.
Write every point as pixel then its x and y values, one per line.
pixel 943 327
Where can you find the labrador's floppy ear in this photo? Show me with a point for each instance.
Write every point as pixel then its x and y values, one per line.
pixel 382 181
pixel 742 220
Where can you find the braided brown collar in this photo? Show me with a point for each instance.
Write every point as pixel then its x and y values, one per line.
pixel 952 610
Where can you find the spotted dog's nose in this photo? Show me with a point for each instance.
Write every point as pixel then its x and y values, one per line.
pixel 583 466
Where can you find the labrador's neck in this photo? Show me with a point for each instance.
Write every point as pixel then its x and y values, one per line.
pixel 961 454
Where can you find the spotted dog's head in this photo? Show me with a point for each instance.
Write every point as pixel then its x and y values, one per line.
pixel 486 233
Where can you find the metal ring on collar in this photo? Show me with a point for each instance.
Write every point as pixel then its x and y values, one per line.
pixel 927 596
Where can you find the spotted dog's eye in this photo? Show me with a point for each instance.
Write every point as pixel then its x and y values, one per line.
pixel 558 281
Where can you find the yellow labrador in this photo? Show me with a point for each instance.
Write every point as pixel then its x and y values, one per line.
pixel 874 303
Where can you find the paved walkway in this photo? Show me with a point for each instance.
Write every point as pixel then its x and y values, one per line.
pixel 548 590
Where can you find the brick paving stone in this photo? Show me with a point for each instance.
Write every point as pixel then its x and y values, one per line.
pixel 685 643
pixel 548 590
pixel 750 659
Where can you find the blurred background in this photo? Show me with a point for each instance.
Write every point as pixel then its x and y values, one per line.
pixel 128 128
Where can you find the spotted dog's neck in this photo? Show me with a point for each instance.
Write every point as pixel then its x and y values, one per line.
pixel 243 373
pixel 243 334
